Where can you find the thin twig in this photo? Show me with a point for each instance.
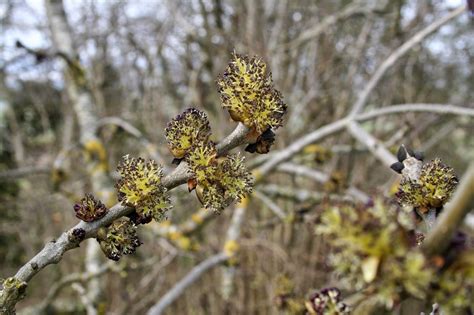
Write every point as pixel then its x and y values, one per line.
pixel 319 177
pixel 231 247
pixel 24 171
pixel 421 107
pixel 271 205
pixel 397 54
pixel 184 283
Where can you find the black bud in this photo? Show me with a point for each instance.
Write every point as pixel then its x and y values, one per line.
pixel 419 155
pixel 397 167
pixel 267 134
pixel 176 161
pixel 252 148
pixel 410 152
pixel 401 154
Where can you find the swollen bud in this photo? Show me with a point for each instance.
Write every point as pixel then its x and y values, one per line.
pixel 89 209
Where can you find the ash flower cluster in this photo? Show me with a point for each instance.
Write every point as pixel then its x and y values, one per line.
pixel 219 180
pixel 119 239
pixel 89 209
pixel 247 92
pixel 374 249
pixel 327 301
pixel 190 128
pixel 433 188
pixel 140 187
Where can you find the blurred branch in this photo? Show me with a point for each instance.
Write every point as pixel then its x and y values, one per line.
pixel 178 289
pixel 452 216
pixel 83 103
pixel 428 108
pixel 297 145
pixel 271 161
pixel 23 172
pixel 71 278
pixel 132 130
pixel 397 54
pixel 271 205
pixel 374 145
pixel 319 177
pixel 351 9
pixel 231 247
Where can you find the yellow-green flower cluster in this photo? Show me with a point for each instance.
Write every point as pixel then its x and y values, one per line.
pixel 120 238
pixel 89 209
pixel 220 180
pixel 455 285
pixel 432 190
pixel 140 187
pixel 374 249
pixel 248 94
pixel 190 128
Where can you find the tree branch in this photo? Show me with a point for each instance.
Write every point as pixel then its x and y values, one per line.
pixel 184 283
pixel 403 108
pixel 397 54
pixel 53 251
pixel 452 216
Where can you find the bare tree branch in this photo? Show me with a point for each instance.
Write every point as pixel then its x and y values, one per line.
pixel 23 172
pixel 271 205
pixel 428 108
pixel 319 177
pixel 452 216
pixel 397 54
pixel 53 251
pixel 184 283
pixel 351 9
pixel 375 146
pixel 231 247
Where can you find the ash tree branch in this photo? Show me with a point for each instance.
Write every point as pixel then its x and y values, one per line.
pixel 319 177
pixel 271 205
pixel 195 274
pixel 420 107
pixel 23 172
pixel 232 238
pixel 298 145
pixel 452 216
pixel 375 146
pixel 309 34
pixel 135 132
pixel 53 251
pixel 397 54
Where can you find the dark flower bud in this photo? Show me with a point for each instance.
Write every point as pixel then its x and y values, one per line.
pixel 401 154
pixel 263 143
pixel 419 155
pixel 397 167
pixel 77 235
pixel 89 209
pixel 327 301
